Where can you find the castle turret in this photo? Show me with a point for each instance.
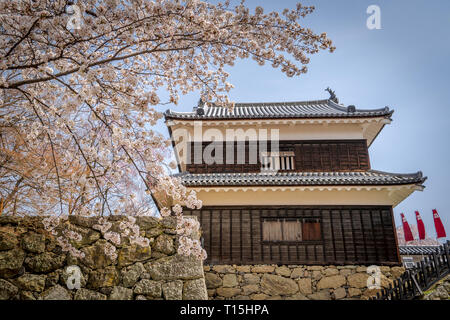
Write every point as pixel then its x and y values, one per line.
pixel 290 182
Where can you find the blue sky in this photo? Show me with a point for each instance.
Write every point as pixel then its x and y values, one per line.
pixel 404 65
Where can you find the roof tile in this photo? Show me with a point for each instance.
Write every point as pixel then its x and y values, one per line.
pixel 298 109
pixel 371 177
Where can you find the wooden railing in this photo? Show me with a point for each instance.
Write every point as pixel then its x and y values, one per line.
pixel 420 278
pixel 276 161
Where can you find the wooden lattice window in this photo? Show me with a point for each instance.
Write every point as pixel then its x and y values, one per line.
pixel 278 161
pixel 291 230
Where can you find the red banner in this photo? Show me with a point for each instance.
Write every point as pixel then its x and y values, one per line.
pixel 440 231
pixel 406 229
pixel 420 226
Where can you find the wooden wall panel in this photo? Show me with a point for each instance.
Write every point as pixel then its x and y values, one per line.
pixel 349 235
pixel 317 155
pixel 226 234
pixel 329 155
pixel 236 239
pixel 215 246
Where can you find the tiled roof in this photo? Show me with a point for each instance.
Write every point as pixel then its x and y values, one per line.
pixel 370 177
pixel 300 109
pixel 417 250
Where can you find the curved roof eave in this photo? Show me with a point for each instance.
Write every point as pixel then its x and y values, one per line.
pixel 358 178
pixel 279 110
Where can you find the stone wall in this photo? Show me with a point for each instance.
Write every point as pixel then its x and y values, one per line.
pixel 33 266
pixel 261 282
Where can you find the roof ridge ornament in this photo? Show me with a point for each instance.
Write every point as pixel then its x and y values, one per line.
pixel 332 95
pixel 351 108
pixel 199 110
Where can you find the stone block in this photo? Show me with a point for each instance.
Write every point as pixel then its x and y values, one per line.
pixel 358 280
pixel 164 244
pixel 7 290
pixel 130 275
pixel 95 256
pixel 212 280
pixel 223 269
pixel 173 290
pixel 31 282
pixel 56 293
pixel 276 285
pixel 11 262
pixel 304 286
pixel 107 277
pixel 195 290
pixel 259 296
pixel 175 267
pixel 132 254
pixel 8 240
pixel 85 294
pixel 121 293
pixel 331 282
pixel 249 289
pixel 263 269
pixel 148 288
pixel 283 271
pixel 228 292
pixel 339 293
pixel 297 273
pixel 245 269
pixel 249 278
pixel 320 295
pixel 229 280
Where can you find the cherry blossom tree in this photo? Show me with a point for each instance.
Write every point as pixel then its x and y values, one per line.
pixel 80 81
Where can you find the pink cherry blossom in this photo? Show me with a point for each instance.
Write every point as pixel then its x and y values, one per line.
pixel 79 102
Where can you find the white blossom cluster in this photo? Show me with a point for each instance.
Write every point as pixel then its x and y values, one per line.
pixel 191 247
pixel 50 223
pixel 68 247
pixel 110 251
pixel 174 190
pixel 128 229
pixel 113 237
pixel 188 229
pixel 103 225
pixel 131 229
pixel 64 235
